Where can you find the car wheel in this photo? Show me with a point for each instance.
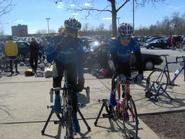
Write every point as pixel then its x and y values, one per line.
pixel 149 65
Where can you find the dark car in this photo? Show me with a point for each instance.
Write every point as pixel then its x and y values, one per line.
pixel 100 57
pixel 157 43
pixel 23 48
pixel 149 61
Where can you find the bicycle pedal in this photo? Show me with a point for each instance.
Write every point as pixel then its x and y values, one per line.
pixel 57 122
pixel 49 106
pixel 107 115
pixel 103 100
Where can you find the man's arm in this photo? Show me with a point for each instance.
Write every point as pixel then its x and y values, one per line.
pixel 80 70
pixel 113 51
pixel 138 56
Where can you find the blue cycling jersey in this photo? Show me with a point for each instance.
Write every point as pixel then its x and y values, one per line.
pixel 69 52
pixel 65 51
pixel 122 52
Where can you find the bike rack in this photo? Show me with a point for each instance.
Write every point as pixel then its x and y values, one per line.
pixel 104 105
pixel 157 92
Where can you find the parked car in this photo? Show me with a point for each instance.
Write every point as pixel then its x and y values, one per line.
pixel 100 58
pixel 157 43
pixel 23 49
pixel 149 61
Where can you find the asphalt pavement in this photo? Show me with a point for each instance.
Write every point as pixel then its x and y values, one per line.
pixel 24 100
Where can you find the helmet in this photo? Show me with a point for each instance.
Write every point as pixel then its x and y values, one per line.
pixel 72 24
pixel 125 29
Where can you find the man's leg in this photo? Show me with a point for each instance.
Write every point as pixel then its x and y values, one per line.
pixel 72 80
pixel 11 67
pixel 36 63
pixel 112 93
pixel 16 67
pixel 31 62
pixel 57 83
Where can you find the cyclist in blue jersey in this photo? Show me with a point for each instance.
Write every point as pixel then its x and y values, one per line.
pixel 121 50
pixel 67 53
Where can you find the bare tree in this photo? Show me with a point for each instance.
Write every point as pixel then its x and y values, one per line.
pixel 101 27
pixel 169 25
pixel 85 27
pixel 5 6
pixel 113 7
pixel 42 31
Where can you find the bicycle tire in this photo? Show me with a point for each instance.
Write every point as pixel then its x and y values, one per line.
pixel 157 78
pixel 130 123
pixel 69 124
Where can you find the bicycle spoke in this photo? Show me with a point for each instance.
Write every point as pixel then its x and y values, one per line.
pixel 130 123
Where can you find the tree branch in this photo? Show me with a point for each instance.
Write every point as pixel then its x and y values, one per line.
pixel 92 9
pixel 143 2
pixel 122 5
pixel 6 8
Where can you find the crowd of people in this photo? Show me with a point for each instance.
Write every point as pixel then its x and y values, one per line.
pixel 11 55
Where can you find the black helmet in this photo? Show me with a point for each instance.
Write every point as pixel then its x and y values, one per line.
pixel 72 24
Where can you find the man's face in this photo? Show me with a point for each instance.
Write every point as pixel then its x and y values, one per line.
pixel 70 34
pixel 125 40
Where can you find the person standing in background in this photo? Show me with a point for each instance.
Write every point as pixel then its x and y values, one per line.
pixel 11 51
pixel 34 53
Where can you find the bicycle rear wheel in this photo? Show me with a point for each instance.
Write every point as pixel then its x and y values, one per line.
pixel 157 82
pixel 130 120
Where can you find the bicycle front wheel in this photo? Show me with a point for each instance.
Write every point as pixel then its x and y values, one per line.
pixel 69 125
pixel 130 120
pixel 157 81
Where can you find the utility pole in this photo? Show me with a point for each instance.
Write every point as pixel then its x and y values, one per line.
pixel 47 20
pixel 133 14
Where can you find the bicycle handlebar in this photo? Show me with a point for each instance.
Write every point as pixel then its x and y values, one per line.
pixel 180 57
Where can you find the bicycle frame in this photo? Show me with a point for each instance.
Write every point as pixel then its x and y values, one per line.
pixel 126 106
pixel 176 75
pixel 166 69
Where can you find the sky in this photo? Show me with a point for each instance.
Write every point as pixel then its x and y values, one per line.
pixel 33 13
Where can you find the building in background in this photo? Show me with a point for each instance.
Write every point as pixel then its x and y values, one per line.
pixel 20 30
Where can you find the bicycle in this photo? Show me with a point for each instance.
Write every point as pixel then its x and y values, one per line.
pixel 65 116
pixel 125 110
pixel 159 79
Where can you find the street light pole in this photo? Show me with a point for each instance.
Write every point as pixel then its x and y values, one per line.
pixel 47 20
pixel 133 15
